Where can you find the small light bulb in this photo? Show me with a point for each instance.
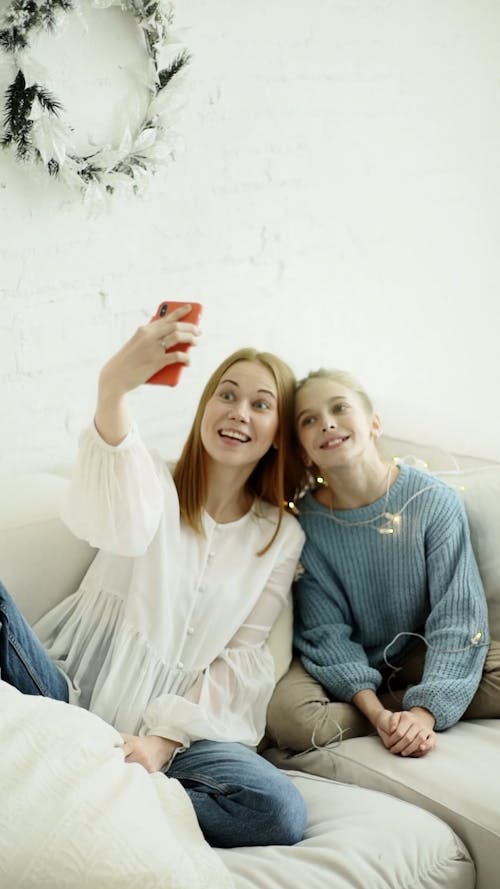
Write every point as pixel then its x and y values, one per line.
pixel 320 480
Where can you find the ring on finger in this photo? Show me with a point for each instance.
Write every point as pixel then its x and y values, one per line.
pixel 163 343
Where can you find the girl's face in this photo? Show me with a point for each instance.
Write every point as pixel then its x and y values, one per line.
pixel 333 426
pixel 240 420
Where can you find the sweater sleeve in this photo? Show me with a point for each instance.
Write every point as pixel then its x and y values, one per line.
pixel 228 701
pixel 116 498
pixel 456 630
pixel 324 633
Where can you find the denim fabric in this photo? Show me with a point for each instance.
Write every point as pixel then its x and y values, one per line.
pixel 239 798
pixel 24 663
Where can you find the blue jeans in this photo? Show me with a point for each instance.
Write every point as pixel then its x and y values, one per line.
pixel 24 662
pixel 240 799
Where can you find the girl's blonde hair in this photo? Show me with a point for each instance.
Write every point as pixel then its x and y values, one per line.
pixel 272 478
pixel 338 376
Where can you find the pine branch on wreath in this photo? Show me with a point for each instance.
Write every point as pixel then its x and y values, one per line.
pixel 18 104
pixel 48 101
pixel 166 74
pixel 17 122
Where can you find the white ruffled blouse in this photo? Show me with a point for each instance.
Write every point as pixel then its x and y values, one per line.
pixel 167 633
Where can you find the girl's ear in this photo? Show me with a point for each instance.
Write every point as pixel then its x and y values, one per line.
pixel 376 425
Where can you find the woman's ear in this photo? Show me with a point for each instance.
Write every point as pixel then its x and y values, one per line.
pixel 305 459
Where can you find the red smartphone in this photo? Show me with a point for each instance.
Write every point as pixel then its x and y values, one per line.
pixel 169 375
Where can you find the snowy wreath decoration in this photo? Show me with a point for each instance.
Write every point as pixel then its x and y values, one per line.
pixel 32 124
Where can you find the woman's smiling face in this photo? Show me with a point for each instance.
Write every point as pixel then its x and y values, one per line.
pixel 333 425
pixel 240 421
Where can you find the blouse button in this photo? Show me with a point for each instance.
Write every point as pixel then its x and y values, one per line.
pixel 211 555
pixel 190 631
pixel 180 665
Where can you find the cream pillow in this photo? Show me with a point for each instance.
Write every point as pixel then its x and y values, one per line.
pixel 75 815
pixel 41 562
pixel 480 490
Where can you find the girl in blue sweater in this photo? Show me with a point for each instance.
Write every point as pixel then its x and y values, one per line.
pixel 391 623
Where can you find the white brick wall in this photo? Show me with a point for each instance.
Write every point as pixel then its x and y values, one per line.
pixel 335 197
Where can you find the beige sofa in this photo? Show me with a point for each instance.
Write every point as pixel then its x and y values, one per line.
pixel 459 780
pixel 64 764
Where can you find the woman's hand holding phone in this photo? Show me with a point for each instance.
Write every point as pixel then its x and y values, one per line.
pixel 175 349
pixel 138 361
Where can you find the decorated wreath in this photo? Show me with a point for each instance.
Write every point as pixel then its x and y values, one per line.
pixel 34 129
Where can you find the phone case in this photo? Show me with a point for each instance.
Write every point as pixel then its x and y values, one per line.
pixel 169 375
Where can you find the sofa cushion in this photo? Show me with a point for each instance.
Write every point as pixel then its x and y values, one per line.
pixel 75 815
pixel 356 838
pixel 40 560
pixel 455 782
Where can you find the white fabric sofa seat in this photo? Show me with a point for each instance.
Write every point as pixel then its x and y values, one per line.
pixel 355 839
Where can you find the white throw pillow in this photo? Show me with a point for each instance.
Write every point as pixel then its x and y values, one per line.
pixel 480 490
pixel 41 562
pixel 75 815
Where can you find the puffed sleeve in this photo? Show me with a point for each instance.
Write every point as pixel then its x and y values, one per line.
pixel 116 498
pixel 228 701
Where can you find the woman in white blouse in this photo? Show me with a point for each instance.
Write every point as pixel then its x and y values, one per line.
pixel 166 637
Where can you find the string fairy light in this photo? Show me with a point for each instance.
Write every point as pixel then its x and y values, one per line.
pixel 474 642
pixel 391 520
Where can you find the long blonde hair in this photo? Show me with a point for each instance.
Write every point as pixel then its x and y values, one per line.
pixel 271 478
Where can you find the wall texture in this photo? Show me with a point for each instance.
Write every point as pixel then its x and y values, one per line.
pixel 335 197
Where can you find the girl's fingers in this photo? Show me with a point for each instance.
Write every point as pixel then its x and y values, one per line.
pixel 418 745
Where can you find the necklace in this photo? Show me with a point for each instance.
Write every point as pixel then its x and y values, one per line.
pixel 389 520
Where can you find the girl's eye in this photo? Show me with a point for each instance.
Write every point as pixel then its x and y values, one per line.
pixel 226 395
pixel 340 408
pixel 262 405
pixel 307 421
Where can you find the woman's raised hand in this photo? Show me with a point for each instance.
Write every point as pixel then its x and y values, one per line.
pixel 137 360
pixel 144 353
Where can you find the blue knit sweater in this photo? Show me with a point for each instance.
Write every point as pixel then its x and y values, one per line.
pixel 360 589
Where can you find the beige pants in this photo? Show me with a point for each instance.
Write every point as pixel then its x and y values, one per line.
pixel 302 715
